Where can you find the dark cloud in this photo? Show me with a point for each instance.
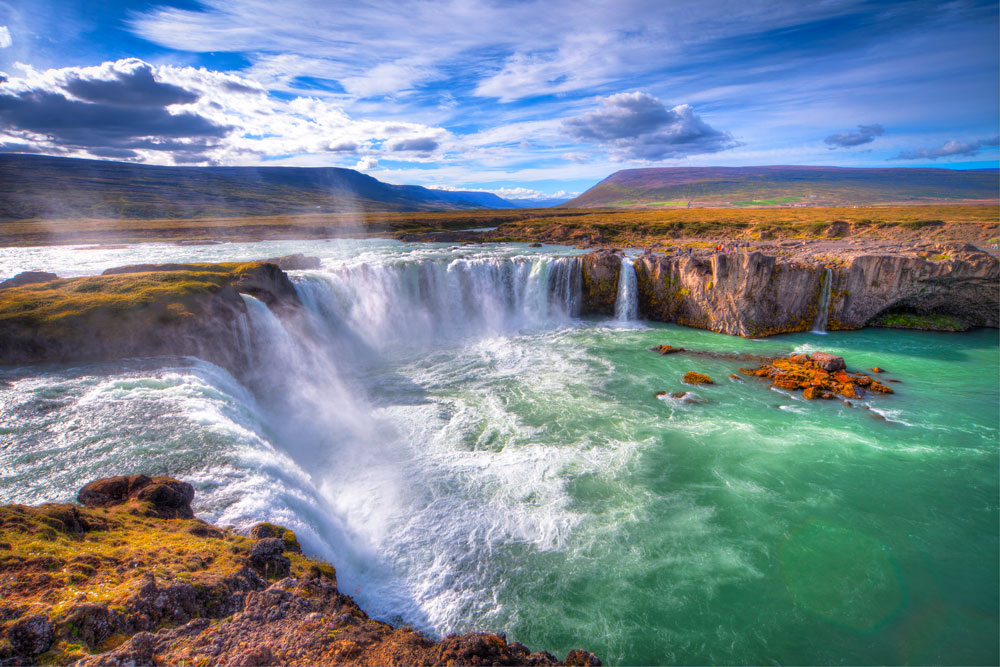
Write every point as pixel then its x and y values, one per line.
pixel 948 149
pixel 133 86
pixel 865 135
pixel 236 87
pixel 637 126
pixel 116 153
pixel 343 147
pixel 111 117
pixel 420 144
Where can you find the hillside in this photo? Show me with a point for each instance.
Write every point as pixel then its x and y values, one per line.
pixel 36 186
pixel 785 186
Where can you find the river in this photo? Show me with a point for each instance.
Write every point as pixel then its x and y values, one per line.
pixel 471 454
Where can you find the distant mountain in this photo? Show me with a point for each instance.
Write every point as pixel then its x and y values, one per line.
pixel 36 186
pixel 538 203
pixel 785 185
pixel 473 199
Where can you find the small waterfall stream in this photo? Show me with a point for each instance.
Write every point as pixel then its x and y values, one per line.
pixel 822 309
pixel 627 301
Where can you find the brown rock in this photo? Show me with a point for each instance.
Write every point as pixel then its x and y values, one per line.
pixel 697 378
pixel 811 393
pixel 878 370
pixel 666 349
pixel 828 362
pixel 31 636
pixel 169 498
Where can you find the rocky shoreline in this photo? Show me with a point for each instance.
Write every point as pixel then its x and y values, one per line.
pixel 130 577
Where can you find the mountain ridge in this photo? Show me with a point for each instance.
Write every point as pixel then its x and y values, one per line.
pixel 40 186
pixel 789 185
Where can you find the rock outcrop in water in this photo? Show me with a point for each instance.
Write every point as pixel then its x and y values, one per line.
pixel 116 583
pixel 139 311
pixel 819 375
pixel 753 294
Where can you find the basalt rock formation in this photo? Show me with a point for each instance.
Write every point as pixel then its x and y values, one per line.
pixel 118 583
pixel 753 294
pixel 141 310
pixel 600 282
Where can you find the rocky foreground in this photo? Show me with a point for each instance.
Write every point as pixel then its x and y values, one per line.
pixel 132 578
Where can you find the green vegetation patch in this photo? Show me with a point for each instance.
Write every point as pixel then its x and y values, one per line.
pixel 766 202
pixel 931 322
pixel 55 304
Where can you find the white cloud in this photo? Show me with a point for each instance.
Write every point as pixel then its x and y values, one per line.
pixel 637 126
pixel 163 114
pixel 366 163
pixel 5 39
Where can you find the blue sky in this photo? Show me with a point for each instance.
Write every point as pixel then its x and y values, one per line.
pixel 525 98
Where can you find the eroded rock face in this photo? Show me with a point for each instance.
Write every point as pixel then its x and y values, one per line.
pixel 755 294
pixel 31 636
pixel 600 282
pixel 175 309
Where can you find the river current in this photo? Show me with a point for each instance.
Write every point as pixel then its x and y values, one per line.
pixel 471 454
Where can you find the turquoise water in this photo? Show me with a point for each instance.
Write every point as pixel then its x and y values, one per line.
pixel 519 473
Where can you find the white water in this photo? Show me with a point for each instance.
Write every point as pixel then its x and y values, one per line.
pixel 385 511
pixel 627 301
pixel 822 309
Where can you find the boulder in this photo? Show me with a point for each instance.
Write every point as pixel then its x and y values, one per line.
pixel 267 557
pixel 29 277
pixel 666 349
pixel 265 530
pixel 169 498
pixel 696 378
pixel 828 362
pixel 31 636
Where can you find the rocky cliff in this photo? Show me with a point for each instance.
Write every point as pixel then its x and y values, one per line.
pixel 753 294
pixel 141 310
pixel 132 578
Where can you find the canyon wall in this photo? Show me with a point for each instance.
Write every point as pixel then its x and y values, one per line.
pixel 752 294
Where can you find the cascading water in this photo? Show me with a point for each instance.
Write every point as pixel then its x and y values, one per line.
pixel 408 305
pixel 819 324
pixel 627 301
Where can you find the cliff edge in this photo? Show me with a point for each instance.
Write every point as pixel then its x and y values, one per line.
pixel 132 578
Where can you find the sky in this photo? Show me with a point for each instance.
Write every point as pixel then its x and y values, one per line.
pixel 525 98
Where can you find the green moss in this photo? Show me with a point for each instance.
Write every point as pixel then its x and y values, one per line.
pixel 932 322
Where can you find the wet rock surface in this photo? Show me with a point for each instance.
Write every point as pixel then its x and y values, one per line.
pixel 179 594
pixel 811 374
pixel 295 262
pixel 691 377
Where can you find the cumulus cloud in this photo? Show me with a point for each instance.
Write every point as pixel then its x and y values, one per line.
pixel 130 109
pixel 638 126
pixel 864 135
pixel 5 39
pixel 948 149
pixel 366 163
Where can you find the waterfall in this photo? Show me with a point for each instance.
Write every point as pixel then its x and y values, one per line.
pixel 627 301
pixel 374 309
pixel 819 324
